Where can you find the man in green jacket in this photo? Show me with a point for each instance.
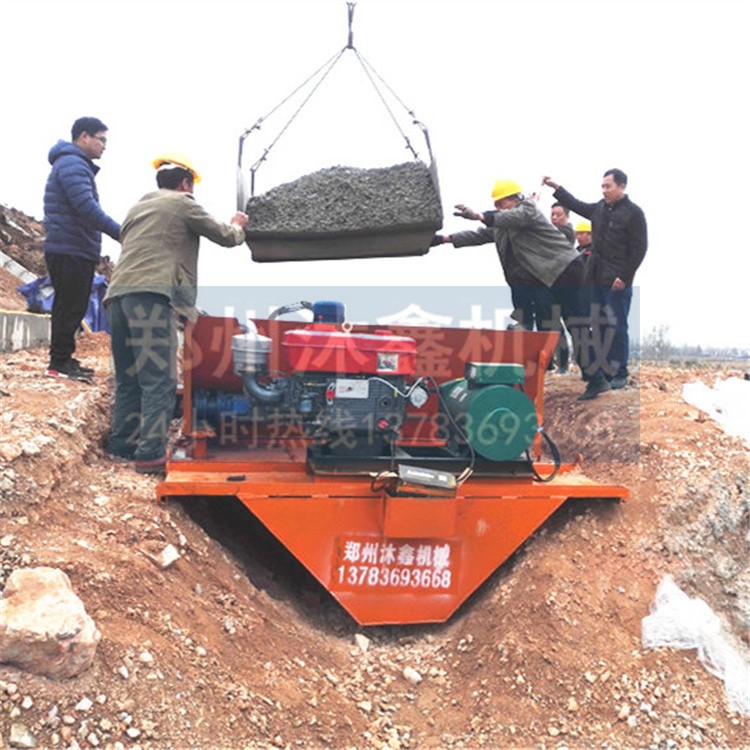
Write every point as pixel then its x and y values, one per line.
pixel 153 288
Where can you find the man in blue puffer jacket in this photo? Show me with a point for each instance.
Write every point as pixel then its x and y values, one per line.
pixel 74 222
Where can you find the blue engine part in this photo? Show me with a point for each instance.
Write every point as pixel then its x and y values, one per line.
pixel 211 406
pixel 328 312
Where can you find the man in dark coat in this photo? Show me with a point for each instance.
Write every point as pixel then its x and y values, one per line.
pixel 74 222
pixel 620 240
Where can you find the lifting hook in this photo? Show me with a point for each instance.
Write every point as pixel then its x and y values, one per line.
pixel 350 9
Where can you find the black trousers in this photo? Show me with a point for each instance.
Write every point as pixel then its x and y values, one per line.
pixel 549 318
pixel 71 278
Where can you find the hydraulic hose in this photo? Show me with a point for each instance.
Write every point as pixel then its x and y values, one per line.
pixel 555 457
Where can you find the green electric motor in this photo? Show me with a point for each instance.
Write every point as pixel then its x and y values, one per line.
pixel 497 418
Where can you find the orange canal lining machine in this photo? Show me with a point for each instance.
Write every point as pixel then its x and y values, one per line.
pixel 401 467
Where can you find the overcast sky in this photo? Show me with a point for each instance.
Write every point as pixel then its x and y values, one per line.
pixel 507 88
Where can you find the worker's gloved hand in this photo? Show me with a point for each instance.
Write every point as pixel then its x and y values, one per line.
pixel 438 239
pixel 466 212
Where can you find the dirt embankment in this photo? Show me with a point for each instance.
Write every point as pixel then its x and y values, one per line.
pixel 234 646
pixel 22 239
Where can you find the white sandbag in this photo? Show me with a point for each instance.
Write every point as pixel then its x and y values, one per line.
pixel 677 621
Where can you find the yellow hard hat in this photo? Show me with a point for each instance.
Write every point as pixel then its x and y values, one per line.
pixel 583 226
pixel 179 161
pixel 504 188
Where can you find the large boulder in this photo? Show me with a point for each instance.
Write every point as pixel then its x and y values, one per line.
pixel 44 627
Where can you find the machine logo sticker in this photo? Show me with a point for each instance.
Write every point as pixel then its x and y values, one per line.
pixel 414 565
pixel 387 362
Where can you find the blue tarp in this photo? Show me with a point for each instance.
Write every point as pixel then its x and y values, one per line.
pixel 40 294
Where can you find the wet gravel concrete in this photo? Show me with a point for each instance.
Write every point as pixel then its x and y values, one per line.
pixel 340 200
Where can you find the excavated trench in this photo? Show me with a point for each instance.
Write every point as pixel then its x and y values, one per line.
pixel 711 514
pixel 267 564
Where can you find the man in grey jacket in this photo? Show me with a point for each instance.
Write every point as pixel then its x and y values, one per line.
pixel 522 232
pixel 154 285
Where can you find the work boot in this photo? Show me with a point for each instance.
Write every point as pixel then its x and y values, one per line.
pixel 119 458
pixel 594 387
pixel 80 367
pixel 620 381
pixel 157 466
pixel 68 370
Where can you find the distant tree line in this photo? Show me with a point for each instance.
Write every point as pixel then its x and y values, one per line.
pixel 656 346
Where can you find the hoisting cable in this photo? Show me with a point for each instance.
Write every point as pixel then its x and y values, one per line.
pixel 555 457
pixel 415 121
pixel 254 168
pixel 330 61
pixel 327 67
pixel 367 67
pixel 329 64
pixel 368 70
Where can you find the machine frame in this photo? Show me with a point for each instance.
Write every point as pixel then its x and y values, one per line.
pixel 395 553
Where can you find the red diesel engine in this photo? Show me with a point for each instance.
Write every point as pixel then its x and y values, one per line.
pixel 347 391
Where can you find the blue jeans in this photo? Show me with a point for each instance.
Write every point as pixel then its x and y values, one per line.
pixel 609 327
pixel 144 348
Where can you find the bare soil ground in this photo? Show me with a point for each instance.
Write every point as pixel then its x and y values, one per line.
pixel 10 298
pixel 234 646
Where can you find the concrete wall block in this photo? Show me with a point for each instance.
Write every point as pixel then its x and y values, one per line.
pixel 22 330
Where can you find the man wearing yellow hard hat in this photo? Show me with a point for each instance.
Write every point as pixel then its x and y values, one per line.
pixel 170 160
pixel 154 285
pixel 583 237
pixel 532 252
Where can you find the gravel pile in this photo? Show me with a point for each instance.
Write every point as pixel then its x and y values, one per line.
pixel 348 200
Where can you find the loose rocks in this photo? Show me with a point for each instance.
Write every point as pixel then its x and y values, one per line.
pixel 348 199
pixel 342 212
